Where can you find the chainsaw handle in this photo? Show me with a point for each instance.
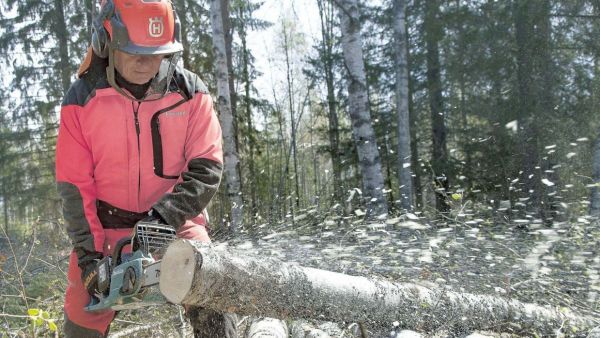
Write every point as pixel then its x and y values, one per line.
pixel 123 242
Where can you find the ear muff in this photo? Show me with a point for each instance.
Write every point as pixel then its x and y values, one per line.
pixel 99 34
pixel 99 41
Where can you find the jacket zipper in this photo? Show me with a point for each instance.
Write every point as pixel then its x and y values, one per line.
pixel 137 132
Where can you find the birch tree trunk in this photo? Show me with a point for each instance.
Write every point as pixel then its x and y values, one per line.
pixel 200 274
pixel 231 159
pixel 358 108
pixel 404 158
pixel 228 34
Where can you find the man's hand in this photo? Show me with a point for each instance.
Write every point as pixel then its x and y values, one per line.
pixel 88 263
pixel 153 233
pixel 154 218
pixel 89 276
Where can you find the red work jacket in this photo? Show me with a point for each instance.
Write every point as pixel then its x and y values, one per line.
pixel 164 154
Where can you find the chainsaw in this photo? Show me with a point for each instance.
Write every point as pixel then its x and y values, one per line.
pixel 125 280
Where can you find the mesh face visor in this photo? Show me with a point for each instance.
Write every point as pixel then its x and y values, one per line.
pixel 161 82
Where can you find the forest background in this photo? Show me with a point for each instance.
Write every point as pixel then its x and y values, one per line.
pixel 477 113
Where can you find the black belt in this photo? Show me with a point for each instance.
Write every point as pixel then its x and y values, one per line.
pixel 112 217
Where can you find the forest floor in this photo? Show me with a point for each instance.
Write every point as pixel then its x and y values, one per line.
pixel 556 265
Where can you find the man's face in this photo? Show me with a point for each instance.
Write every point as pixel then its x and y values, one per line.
pixel 137 69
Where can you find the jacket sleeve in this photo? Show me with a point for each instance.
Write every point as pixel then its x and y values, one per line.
pixel 204 156
pixel 76 186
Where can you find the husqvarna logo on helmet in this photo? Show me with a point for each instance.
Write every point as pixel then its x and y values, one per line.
pixel 156 27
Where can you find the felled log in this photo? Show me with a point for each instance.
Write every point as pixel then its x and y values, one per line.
pixel 200 274
pixel 303 329
pixel 135 330
pixel 267 328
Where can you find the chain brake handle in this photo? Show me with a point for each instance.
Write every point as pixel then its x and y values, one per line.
pixel 118 252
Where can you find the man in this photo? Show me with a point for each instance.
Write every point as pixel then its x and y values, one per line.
pixel 138 141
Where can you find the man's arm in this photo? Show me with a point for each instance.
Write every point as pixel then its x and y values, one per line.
pixel 76 187
pixel 204 155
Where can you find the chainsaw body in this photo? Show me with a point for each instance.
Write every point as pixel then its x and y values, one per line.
pixel 125 280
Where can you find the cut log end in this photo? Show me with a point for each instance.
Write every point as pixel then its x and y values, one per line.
pixel 177 271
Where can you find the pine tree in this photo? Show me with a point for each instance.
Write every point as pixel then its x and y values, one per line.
pixel 42 42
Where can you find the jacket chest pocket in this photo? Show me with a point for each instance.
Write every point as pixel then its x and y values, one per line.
pixel 169 134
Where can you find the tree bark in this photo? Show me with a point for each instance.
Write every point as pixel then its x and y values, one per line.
pixel 439 160
pixel 595 192
pixel 326 19
pixel 231 158
pixel 267 328
pixel 136 330
pixel 250 139
pixel 402 93
pixel 283 163
pixel 200 274
pixel 62 35
pixel 181 8
pixel 228 32
pixel 90 9
pixel 463 108
pixel 414 149
pixel 535 98
pixel 529 136
pixel 550 194
pixel 595 198
pixel 287 45
pixel 358 108
pixel 5 208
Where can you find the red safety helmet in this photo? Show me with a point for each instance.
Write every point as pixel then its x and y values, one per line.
pixel 144 27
